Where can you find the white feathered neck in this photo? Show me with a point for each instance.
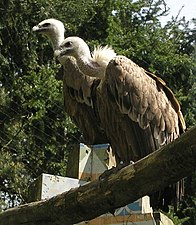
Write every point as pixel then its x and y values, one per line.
pixel 95 66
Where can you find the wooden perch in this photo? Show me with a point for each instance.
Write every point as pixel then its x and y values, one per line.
pixel 163 167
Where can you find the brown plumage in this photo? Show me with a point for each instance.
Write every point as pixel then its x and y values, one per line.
pixel 78 103
pixel 138 108
pixel 138 112
pixel 76 87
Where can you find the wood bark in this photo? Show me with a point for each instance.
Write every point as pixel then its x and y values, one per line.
pixel 159 169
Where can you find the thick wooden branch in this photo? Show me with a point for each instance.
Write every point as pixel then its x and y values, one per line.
pixel 163 167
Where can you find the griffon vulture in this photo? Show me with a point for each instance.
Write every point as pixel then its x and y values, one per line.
pixel 138 112
pixel 76 87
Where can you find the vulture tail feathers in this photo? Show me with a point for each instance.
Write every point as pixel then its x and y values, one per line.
pixel 169 93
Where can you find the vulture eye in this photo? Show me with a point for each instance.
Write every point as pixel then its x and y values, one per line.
pixel 46 25
pixel 68 44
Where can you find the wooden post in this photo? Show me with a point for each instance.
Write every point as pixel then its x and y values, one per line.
pixel 73 161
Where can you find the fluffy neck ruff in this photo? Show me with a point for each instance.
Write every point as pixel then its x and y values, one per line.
pixel 95 66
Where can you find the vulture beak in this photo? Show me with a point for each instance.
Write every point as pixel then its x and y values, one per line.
pixel 36 28
pixel 57 53
pixel 60 55
pixel 60 52
pixel 39 28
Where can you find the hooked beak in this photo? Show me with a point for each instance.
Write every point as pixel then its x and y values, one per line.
pixel 61 52
pixel 38 29
pixel 57 53
pixel 60 55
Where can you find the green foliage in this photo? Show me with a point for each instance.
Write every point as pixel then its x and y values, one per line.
pixel 176 220
pixel 32 121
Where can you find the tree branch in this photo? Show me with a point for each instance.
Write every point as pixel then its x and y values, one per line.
pixel 159 169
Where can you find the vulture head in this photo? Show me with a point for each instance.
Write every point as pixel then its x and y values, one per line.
pixel 53 29
pixel 73 46
pixel 91 65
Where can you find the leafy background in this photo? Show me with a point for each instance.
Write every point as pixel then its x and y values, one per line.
pixel 35 133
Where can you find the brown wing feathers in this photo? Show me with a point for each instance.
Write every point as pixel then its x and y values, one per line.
pixel 145 116
pixel 138 96
pixel 78 103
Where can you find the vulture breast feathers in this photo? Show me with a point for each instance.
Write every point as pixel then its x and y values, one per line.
pixel 77 87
